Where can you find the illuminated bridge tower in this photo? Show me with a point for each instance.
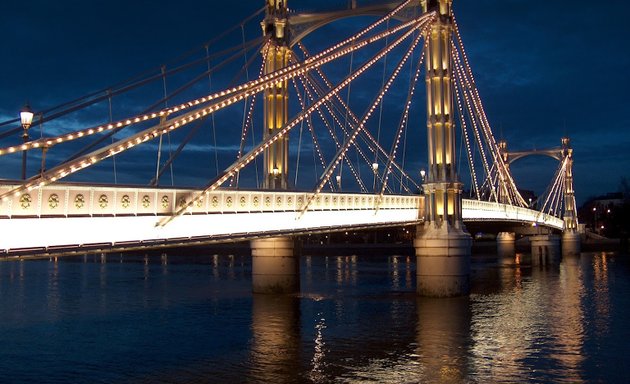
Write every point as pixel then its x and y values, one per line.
pixel 570 236
pixel 275 269
pixel 442 243
pixel 276 54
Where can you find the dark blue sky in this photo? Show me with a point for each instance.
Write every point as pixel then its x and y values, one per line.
pixel 544 69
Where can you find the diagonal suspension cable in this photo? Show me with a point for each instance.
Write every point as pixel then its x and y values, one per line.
pixel 114 90
pixel 193 131
pixel 462 83
pixel 238 165
pixel 221 100
pixel 403 119
pixel 337 119
pixel 333 135
pixel 507 182
pixel 248 120
pixel 316 145
pixel 341 152
pixel 366 136
pixel 112 127
pixel 464 127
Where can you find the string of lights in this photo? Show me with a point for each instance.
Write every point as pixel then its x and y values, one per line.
pixel 464 127
pixel 316 145
pixel 365 138
pixel 331 131
pixel 259 149
pixel 342 151
pixel 250 112
pixel 365 134
pixel 402 124
pixel 265 82
pixel 464 86
pixel 506 180
pixel 555 189
pixel 337 120
pixel 235 94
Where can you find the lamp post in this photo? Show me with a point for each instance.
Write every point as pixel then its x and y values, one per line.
pixel 375 170
pixel 338 178
pixel 423 173
pixel 26 118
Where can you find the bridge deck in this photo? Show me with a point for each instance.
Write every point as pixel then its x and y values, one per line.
pixel 81 216
pixel 69 215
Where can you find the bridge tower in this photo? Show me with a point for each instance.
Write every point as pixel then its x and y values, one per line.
pixel 275 269
pixel 276 54
pixel 570 235
pixel 442 243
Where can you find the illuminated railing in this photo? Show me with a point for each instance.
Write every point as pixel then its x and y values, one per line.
pixel 68 200
pixel 475 210
pixel 80 217
pixel 75 216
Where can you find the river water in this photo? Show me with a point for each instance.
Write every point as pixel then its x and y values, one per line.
pixel 193 319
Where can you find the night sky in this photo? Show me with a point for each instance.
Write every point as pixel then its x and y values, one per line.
pixel 544 69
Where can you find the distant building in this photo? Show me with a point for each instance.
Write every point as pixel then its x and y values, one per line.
pixel 602 214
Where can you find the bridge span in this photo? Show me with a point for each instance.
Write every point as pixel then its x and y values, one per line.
pixel 81 217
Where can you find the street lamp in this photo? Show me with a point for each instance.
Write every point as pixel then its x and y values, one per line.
pixel 375 170
pixel 26 118
pixel 423 173
pixel 338 178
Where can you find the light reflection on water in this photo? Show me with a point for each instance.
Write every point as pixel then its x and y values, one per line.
pixel 193 319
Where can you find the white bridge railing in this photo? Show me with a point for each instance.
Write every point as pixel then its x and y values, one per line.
pixel 475 210
pixel 67 200
pixel 84 216
pixel 70 216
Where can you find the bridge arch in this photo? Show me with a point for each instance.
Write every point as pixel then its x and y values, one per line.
pixel 303 24
pixel 553 153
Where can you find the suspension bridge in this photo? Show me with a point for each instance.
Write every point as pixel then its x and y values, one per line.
pixel 352 111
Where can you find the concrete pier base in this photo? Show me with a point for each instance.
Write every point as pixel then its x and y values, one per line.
pixel 505 244
pixel 275 268
pixel 571 244
pixel 442 261
pixel 545 249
